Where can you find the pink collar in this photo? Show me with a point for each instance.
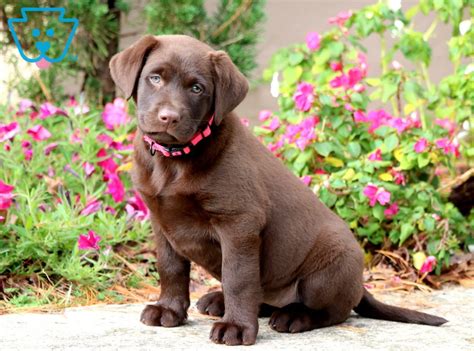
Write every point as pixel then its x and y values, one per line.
pixel 169 151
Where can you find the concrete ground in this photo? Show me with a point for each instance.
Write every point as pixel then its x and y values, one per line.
pixel 117 327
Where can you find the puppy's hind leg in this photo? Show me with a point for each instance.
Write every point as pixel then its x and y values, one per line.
pixel 326 298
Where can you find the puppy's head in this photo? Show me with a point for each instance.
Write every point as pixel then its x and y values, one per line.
pixel 177 82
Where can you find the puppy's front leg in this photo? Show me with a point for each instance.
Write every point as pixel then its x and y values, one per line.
pixel 242 290
pixel 170 310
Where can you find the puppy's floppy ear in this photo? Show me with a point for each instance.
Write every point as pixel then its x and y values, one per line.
pixel 230 86
pixel 126 66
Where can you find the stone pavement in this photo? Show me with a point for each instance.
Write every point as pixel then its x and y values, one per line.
pixel 117 327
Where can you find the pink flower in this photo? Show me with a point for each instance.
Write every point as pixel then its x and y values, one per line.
pixel 313 40
pixel 428 265
pixel 107 164
pixel 47 109
pixel 104 138
pixel 306 179
pixel 89 242
pixel 88 168
pixel 341 18
pixel 273 147
pixel 447 124
pixel 376 118
pixel 336 66
pixel 304 96
pixel 400 124
pixel 114 115
pixel 302 133
pixel 350 80
pixel 39 133
pixel 398 177
pixel 448 146
pixel 2 218
pixel 91 207
pixel 391 211
pixel 136 208
pixel 274 124
pixel 50 147
pixel 115 187
pixel 24 105
pixel 420 145
pixel 78 109
pixel 6 196
pixel 376 155
pixel 264 115
pixel 8 131
pixel 374 193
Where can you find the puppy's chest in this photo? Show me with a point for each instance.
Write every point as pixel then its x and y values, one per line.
pixel 187 226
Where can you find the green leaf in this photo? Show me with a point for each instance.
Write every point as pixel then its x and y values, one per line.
pixel 292 74
pixel 377 211
pixel 423 159
pixel 405 231
pixel 391 142
pixel 295 58
pixel 324 148
pixel 354 149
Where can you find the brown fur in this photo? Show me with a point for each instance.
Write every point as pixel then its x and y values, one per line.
pixel 233 208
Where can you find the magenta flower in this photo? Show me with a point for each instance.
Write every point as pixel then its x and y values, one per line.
pixel 428 265
pixel 376 194
pixel 398 177
pixel 89 242
pixel 400 124
pixel 420 145
pixel 376 155
pixel 448 146
pixel 115 187
pixel 91 207
pixel 6 196
pixel 39 133
pixel 136 208
pixel 302 133
pixel 336 66
pixel 341 18
pixel 114 115
pixel 313 40
pixel 50 147
pixel 27 150
pixel 47 109
pixel 88 168
pixel 391 211
pixel 107 164
pixel 8 131
pixel 25 104
pixel 304 97
pixel 274 124
pixel 306 179
pixel 350 80
pixel 264 115
pixel 104 138
pixel 447 124
pixel 78 109
pixel 376 118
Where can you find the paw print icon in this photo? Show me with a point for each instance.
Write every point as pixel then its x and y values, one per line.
pixel 44 37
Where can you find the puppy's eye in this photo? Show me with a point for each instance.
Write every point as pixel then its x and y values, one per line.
pixel 197 89
pixel 155 79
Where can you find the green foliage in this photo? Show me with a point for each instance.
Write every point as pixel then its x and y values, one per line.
pixel 234 27
pixel 39 234
pixel 345 149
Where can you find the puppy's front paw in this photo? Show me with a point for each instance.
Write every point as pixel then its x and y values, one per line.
pixel 158 315
pixel 212 304
pixel 233 334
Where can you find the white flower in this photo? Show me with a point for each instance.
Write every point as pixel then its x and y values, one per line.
pixel 396 65
pixel 398 24
pixel 275 85
pixel 394 5
pixel 469 69
pixel 464 26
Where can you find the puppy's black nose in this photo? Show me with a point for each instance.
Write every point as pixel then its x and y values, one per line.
pixel 168 116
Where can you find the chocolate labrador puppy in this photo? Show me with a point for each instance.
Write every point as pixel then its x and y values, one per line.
pixel 219 198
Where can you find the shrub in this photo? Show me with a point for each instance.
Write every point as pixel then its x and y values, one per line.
pixel 379 168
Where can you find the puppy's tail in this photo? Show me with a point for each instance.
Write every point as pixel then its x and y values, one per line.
pixel 371 308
